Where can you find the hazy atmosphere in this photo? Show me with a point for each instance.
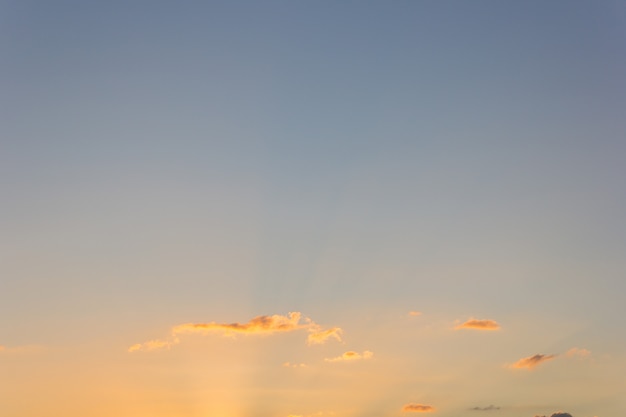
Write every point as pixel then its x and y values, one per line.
pixel 313 208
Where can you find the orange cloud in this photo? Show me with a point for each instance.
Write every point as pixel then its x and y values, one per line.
pixel 415 313
pixel 351 356
pixel 318 336
pixel 479 325
pixel 258 325
pixel 418 408
pixel 532 361
pixel 154 345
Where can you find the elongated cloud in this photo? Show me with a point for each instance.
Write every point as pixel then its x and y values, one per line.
pixel 577 353
pixel 318 336
pixel 532 361
pixel 477 324
pixel 558 414
pixel 351 356
pixel 418 408
pixel 488 408
pixel 259 325
pixel 415 313
pixel 294 365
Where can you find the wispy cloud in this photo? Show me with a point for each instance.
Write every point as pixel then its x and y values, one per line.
pixel 258 325
pixel 294 365
pixel 318 336
pixel 418 408
pixel 577 353
pixel 154 345
pixel 351 356
pixel 531 362
pixel 477 324
pixel 415 313
pixel 557 414
pixel 488 408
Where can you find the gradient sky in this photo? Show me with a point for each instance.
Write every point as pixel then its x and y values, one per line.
pixel 437 187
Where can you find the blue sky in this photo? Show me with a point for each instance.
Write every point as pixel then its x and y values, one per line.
pixel 166 162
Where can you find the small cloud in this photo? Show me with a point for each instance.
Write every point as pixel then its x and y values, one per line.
pixel 258 325
pixel 294 365
pixel 577 353
pixel 418 408
pixel 477 324
pixel 561 414
pixel 351 356
pixel 532 361
pixel 415 313
pixel 318 336
pixel 154 345
pixel 488 408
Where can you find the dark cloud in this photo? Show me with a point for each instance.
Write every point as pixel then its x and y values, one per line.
pixel 488 408
pixel 532 361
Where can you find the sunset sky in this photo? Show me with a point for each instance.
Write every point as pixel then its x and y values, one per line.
pixel 313 208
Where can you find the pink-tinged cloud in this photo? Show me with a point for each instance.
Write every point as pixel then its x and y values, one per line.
pixel 577 353
pixel 258 325
pixel 418 408
pixel 532 361
pixel 415 313
pixel 351 356
pixel 477 324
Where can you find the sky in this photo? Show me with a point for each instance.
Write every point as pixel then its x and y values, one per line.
pixel 312 209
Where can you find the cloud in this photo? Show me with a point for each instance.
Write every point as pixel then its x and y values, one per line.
pixel 294 365
pixel 415 313
pixel 479 325
pixel 558 414
pixel 418 408
pixel 257 325
pixel 351 356
pixel 532 361
pixel 154 345
pixel 577 353
pixel 488 408
pixel 319 336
